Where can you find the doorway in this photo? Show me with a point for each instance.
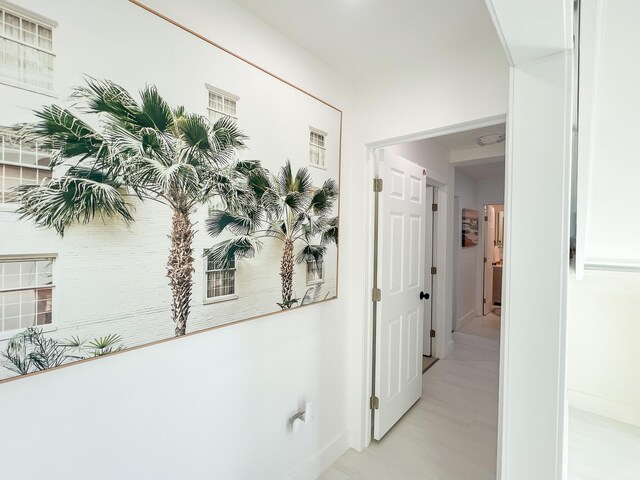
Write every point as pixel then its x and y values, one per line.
pixel 404 267
pixel 493 259
pixel 404 173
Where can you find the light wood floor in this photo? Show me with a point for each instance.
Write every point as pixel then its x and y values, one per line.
pixel 487 326
pixel 450 434
pixel 602 449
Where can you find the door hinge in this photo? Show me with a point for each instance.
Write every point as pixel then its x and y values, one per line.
pixel 432 333
pixel 377 185
pixel 485 259
pixel 434 270
pixel 486 219
pixel 376 294
pixel 484 300
pixel 434 207
pixel 374 403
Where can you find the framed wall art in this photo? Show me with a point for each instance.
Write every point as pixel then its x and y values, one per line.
pixel 152 192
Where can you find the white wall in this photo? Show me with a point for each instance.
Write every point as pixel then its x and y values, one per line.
pixel 466 281
pixel 491 191
pixel 603 318
pixel 608 169
pixel 602 352
pixel 202 405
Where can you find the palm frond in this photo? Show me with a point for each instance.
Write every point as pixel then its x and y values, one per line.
pixel 109 98
pixel 194 130
pixel 63 133
pixel 17 353
pixel 104 345
pixel 294 190
pixel 330 233
pixel 225 253
pixel 77 197
pixel 155 113
pixel 324 198
pixel 221 220
pixel 311 253
pixel 226 138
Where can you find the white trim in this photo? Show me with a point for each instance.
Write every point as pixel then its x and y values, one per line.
pixel 206 300
pixel 557 68
pixel 314 466
pixel 40 21
pixel 461 322
pixel 498 27
pixel 593 21
pixel 443 283
pixel 28 14
pixel 222 92
pixel 222 298
pixel 318 131
pixel 20 257
pixel 28 88
pixel 611 264
pixel 226 96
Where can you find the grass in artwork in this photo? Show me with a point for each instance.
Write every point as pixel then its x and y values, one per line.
pixel 31 350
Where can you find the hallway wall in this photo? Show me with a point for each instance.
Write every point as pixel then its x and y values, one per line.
pixel 466 281
pixel 603 333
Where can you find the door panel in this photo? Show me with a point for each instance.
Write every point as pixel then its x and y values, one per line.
pixel 399 343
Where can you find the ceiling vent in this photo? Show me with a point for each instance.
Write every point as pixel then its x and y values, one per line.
pixel 490 139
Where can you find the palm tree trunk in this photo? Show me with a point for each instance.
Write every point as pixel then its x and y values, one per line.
pixel 180 269
pixel 286 273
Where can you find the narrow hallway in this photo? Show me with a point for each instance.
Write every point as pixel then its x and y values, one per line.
pixel 450 434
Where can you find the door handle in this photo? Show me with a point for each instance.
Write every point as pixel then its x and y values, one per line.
pixel 424 296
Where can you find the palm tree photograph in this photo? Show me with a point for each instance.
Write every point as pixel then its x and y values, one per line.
pixel 144 200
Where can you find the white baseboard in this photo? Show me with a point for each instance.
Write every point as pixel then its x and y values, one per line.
pixel 449 348
pixel 314 466
pixel 604 408
pixel 465 319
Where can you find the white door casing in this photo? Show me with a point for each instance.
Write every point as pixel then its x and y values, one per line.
pixel 427 347
pixel 400 315
pixel 489 236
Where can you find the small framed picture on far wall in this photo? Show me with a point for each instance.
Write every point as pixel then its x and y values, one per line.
pixel 469 227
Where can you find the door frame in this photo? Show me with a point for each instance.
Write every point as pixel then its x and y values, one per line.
pixel 443 253
pixel 480 263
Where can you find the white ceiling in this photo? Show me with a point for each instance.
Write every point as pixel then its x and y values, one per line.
pixel 468 139
pixel 359 38
pixel 486 171
pixel 534 29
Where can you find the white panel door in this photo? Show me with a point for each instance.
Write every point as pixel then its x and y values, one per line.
pixel 489 236
pixel 401 230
